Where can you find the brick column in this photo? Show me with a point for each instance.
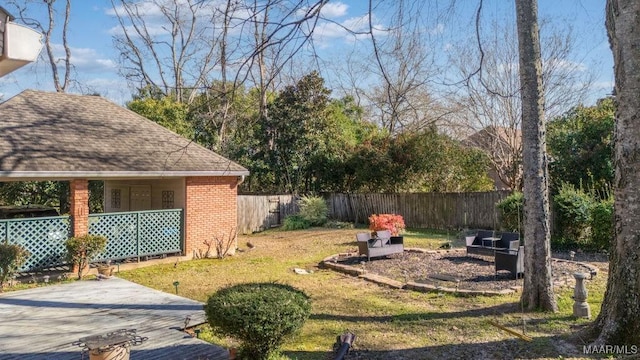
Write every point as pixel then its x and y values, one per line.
pixel 210 210
pixel 80 206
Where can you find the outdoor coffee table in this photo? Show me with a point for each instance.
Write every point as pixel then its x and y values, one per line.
pixel 491 240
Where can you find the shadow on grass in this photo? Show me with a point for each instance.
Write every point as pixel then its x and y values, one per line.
pixel 349 243
pixel 539 348
pixel 485 311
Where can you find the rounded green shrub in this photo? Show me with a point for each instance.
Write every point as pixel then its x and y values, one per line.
pixel 12 256
pixel 259 315
pixel 295 222
pixel 573 214
pixel 512 212
pixel 314 209
pixel 82 249
pixel 602 225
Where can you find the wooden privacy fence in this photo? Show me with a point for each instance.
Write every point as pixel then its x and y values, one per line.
pixel 262 212
pixel 422 210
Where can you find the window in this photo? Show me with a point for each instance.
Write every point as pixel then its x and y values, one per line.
pixel 167 199
pixel 115 198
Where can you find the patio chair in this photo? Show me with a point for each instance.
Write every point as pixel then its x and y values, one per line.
pixel 363 239
pixel 510 240
pixel 380 246
pixel 363 236
pixel 510 260
pixel 384 236
pixel 479 246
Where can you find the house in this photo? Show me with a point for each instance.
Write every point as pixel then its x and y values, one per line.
pixel 503 146
pixel 149 173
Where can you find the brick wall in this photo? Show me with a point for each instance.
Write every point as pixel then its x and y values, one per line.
pixel 210 210
pixel 80 206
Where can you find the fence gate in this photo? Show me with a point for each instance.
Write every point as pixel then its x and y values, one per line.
pixel 274 211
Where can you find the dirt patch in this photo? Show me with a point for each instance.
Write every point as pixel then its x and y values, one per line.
pixel 454 269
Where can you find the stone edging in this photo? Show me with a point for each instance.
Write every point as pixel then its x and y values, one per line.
pixel 331 263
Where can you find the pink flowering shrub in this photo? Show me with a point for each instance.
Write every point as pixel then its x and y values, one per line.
pixel 391 222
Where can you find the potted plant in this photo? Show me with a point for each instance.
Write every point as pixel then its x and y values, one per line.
pixel 82 249
pixel 105 269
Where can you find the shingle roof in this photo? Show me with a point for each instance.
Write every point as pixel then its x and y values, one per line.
pixel 55 135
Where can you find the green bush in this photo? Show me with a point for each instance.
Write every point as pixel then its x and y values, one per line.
pixel 602 225
pixel 314 209
pixel 295 222
pixel 573 214
pixel 512 212
pixel 82 249
pixel 12 256
pixel 259 315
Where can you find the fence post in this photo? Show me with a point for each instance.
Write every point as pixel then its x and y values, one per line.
pixel 182 239
pixel 138 235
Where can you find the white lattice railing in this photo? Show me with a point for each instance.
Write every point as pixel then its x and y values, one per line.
pixel 129 235
pixel 138 233
pixel 43 237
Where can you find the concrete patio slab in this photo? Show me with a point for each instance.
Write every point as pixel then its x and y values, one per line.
pixel 43 323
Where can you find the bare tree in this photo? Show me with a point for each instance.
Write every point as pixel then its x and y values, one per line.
pixel 489 96
pixel 189 48
pixel 168 45
pixel 280 29
pixel 537 291
pixel 24 8
pixel 403 66
pixel 215 109
pixel 619 318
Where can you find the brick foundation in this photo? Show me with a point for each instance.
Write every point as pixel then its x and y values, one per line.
pixel 79 205
pixel 210 210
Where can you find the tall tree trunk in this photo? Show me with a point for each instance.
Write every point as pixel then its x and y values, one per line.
pixel 261 40
pixel 537 292
pixel 619 318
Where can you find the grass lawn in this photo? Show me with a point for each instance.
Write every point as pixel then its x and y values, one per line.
pixel 388 323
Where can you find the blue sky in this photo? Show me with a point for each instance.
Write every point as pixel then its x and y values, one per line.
pixel 96 65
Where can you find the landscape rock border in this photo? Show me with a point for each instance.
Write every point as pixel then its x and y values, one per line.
pixel 332 262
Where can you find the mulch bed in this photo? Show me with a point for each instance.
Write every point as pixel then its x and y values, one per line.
pixel 454 269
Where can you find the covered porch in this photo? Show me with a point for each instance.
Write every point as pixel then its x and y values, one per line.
pixel 163 194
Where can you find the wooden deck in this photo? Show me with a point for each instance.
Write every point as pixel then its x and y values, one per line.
pixel 42 323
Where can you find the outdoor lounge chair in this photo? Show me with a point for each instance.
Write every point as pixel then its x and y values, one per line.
pixel 478 246
pixel 379 246
pixel 510 260
pixel 384 236
pixel 510 240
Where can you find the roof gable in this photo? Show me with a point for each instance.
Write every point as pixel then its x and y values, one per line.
pixel 57 135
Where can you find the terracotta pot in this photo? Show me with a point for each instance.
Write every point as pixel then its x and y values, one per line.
pixel 116 353
pixel 105 270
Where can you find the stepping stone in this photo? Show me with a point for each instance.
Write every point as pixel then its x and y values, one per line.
pixel 444 277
